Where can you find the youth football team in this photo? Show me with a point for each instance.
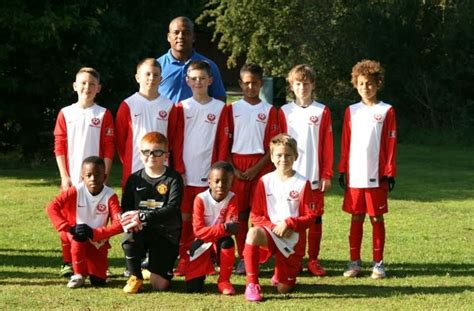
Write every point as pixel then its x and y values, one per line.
pixel 202 179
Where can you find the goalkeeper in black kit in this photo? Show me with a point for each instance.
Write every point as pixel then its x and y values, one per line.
pixel 151 216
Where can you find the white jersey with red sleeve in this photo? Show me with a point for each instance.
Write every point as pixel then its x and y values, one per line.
pixel 209 215
pixel 312 128
pixel 136 117
pixel 203 139
pixel 252 126
pixel 83 132
pixel 78 206
pixel 368 145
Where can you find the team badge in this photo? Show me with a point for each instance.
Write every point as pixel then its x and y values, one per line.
pixel 261 116
pixel 95 122
pixel 294 194
pixel 101 208
pixel 378 117
pixel 163 114
pixel 314 119
pixel 211 117
pixel 162 189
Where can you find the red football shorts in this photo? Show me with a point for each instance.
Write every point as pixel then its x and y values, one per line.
pixel 371 201
pixel 189 193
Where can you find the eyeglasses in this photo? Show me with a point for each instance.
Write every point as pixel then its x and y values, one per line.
pixel 156 153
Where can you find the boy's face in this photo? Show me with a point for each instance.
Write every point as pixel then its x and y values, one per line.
pixel 86 86
pixel 220 183
pixel 367 88
pixel 199 81
pixel 153 155
pixel 283 158
pixel 250 85
pixel 148 77
pixel 93 177
pixel 303 89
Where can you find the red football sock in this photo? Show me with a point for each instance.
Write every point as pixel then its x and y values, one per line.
pixel 66 247
pixel 226 258
pixel 187 238
pixel 355 239
pixel 314 240
pixel 252 255
pixel 241 236
pixel 378 240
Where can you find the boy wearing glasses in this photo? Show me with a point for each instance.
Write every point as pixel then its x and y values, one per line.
pixel 201 141
pixel 152 218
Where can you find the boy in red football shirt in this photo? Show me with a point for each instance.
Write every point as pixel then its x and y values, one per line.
pixel 367 167
pixel 282 210
pixel 252 123
pixel 215 218
pixel 82 212
pixel 310 123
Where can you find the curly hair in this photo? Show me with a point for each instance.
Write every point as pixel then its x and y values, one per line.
pixel 368 67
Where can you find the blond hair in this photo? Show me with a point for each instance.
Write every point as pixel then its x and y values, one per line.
pixel 90 71
pixel 302 72
pixel 149 61
pixel 284 140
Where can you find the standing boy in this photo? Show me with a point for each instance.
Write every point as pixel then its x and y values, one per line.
pixel 151 200
pixel 82 129
pixel 367 167
pixel 309 122
pixel 252 123
pixel 202 140
pixel 281 213
pixel 143 112
pixel 82 212
pixel 215 217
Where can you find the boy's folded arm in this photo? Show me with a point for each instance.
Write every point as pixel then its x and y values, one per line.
pixel 54 210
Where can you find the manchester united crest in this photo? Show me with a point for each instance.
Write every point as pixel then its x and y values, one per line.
pixel 162 189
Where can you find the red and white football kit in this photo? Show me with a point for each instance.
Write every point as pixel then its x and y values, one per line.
pixel 368 152
pixel 312 128
pixel 209 217
pixel 83 132
pixel 202 139
pixel 274 201
pixel 251 128
pixel 78 206
pixel 136 117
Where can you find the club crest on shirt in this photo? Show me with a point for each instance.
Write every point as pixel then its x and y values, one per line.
pixel 294 195
pixel 101 208
pixel 378 117
pixel 261 117
pixel 162 189
pixel 211 118
pixel 162 115
pixel 314 119
pixel 95 122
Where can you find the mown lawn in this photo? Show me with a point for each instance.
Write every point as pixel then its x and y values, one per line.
pixel 429 250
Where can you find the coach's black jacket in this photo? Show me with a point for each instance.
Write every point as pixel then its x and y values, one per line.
pixel 161 197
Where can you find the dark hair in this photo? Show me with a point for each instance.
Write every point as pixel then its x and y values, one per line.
pixel 200 65
pixel 186 20
pixel 253 69
pixel 94 160
pixel 223 165
pixel 367 67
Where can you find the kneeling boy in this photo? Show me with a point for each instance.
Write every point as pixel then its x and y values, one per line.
pixel 151 202
pixel 83 212
pixel 215 216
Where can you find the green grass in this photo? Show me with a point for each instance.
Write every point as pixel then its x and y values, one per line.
pixel 429 250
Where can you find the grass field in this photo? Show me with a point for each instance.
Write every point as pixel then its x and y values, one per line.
pixel 429 250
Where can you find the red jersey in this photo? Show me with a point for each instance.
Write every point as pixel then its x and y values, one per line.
pixel 368 144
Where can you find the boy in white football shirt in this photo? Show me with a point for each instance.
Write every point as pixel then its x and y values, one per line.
pixel 215 218
pixel 309 122
pixel 143 112
pixel 368 164
pixel 202 139
pixel 82 129
pixel 82 212
pixel 282 210
pixel 252 123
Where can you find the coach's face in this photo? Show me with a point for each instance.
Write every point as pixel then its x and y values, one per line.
pixel 180 36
